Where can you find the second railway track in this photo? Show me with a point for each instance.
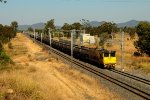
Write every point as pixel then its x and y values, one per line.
pixel 142 80
pixel 145 94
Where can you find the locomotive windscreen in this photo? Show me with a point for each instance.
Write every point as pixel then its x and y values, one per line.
pixel 106 54
pixel 113 54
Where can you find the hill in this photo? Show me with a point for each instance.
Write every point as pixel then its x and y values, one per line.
pixel 96 23
pixel 131 23
pixel 36 26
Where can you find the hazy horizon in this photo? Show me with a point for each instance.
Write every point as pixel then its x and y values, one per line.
pixel 35 11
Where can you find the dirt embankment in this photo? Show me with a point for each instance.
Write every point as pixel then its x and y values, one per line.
pixel 39 75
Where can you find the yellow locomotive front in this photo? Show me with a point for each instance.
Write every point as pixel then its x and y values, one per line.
pixel 109 59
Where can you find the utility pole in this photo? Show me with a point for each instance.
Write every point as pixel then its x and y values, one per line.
pixel 41 37
pixel 50 36
pixel 72 33
pixel 122 51
pixel 34 35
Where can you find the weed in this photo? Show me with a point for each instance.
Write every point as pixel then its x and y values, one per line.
pixel 32 69
pixel 10 45
pixel 109 44
pixel 4 58
pixel 29 55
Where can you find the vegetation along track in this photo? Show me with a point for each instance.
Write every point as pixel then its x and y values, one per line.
pixel 101 73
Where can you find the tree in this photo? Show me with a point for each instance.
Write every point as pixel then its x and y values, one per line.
pixel 67 27
pixel 30 29
pixel 108 27
pixel 76 26
pixel 143 31
pixel 14 25
pixel 93 30
pixel 49 24
pixel 103 38
pixel 85 23
pixel 6 33
pixel 130 30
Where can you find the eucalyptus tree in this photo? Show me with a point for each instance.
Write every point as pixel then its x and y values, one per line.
pixel 50 24
pixel 143 31
pixel 14 25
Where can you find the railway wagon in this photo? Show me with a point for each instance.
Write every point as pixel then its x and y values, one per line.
pixel 99 57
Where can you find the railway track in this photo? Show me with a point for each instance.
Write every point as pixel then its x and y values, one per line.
pixel 130 87
pixel 142 80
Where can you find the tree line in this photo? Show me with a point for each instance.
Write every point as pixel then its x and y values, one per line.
pixel 108 30
pixel 6 34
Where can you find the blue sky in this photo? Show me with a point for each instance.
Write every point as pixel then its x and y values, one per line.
pixel 34 11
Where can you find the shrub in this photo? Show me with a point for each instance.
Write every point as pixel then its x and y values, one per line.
pixel 4 58
pixel 10 45
pixel 109 45
pixel 1 47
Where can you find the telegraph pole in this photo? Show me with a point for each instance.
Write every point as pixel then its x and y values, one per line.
pixel 50 36
pixel 122 51
pixel 41 37
pixel 34 35
pixel 72 33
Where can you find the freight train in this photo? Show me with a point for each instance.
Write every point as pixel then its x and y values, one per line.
pixel 99 57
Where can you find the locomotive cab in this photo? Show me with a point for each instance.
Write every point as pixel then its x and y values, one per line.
pixel 109 59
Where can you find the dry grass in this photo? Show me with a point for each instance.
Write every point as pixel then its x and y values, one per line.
pixel 130 62
pixel 37 75
pixel 22 87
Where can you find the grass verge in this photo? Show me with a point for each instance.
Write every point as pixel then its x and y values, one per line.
pixel 17 86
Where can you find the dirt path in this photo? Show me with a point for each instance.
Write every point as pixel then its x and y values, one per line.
pixel 57 80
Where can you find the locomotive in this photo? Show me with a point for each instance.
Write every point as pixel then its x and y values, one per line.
pixel 99 57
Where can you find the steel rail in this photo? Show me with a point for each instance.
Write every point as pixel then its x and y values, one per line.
pixel 145 81
pixel 98 73
pixel 122 84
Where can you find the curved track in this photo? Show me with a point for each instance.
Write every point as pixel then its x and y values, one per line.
pixel 142 80
pixel 130 87
pixel 133 89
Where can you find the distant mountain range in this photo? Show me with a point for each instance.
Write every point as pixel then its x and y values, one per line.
pixel 36 26
pixel 131 23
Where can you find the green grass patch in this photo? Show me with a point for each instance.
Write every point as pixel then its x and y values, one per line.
pixel 4 58
pixel 5 61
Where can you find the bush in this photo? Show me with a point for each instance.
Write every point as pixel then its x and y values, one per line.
pixel 10 45
pixel 109 45
pixel 137 54
pixel 4 58
pixel 143 44
pixel 1 47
